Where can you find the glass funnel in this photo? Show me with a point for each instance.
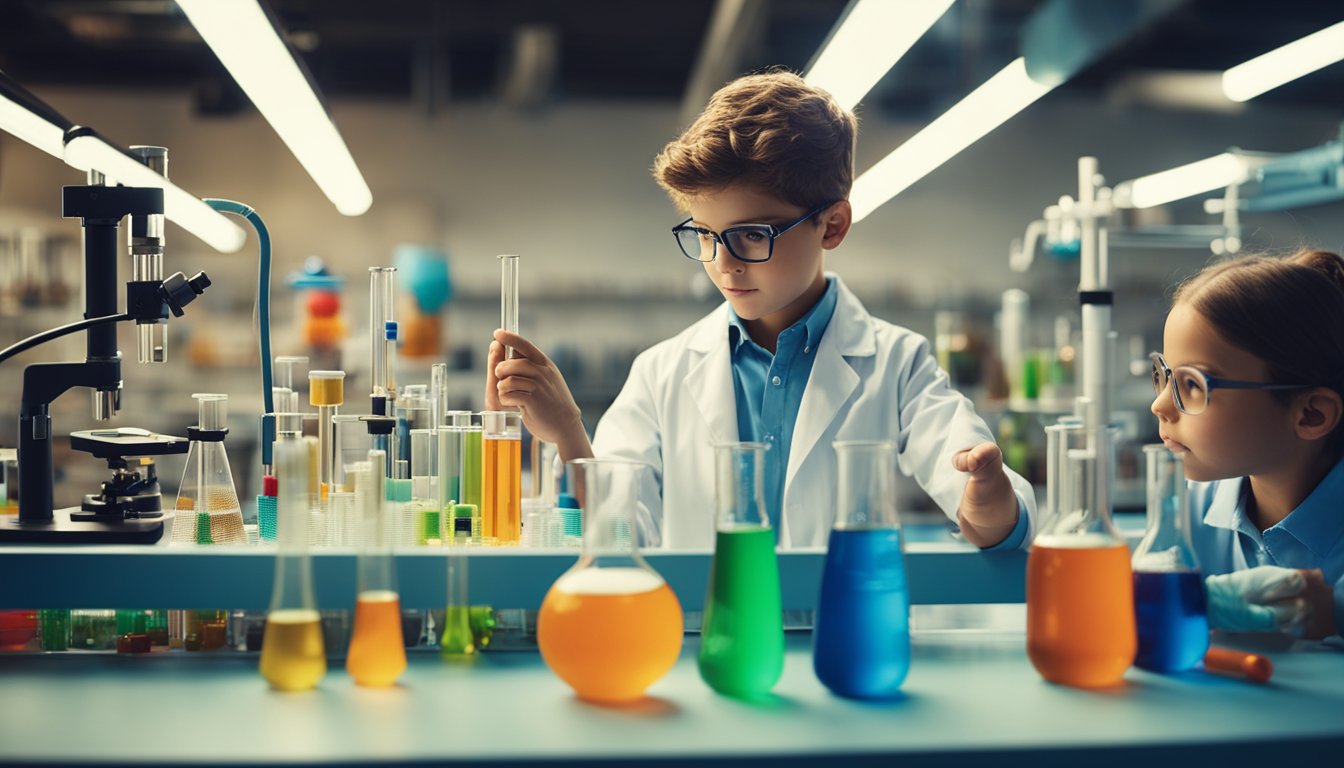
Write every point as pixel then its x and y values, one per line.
pixel 1169 602
pixel 292 654
pixel 377 655
pixel 1080 589
pixel 742 640
pixel 861 644
pixel 610 626
pixel 207 509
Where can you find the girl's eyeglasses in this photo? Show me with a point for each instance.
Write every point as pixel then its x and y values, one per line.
pixel 1192 388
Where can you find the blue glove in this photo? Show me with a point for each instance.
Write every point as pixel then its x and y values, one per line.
pixel 1266 598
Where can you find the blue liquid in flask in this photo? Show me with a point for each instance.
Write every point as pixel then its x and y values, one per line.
pixel 861 644
pixel 1172 620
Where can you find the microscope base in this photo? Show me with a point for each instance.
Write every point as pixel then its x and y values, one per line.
pixel 62 530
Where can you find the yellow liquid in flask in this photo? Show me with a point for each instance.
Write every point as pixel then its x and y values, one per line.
pixel 292 655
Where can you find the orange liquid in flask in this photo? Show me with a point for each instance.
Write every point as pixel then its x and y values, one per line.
pixel 1080 610
pixel 502 494
pixel 292 656
pixel 377 654
pixel 610 633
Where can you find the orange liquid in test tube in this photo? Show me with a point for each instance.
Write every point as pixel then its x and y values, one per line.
pixel 377 654
pixel 611 633
pixel 502 495
pixel 1080 611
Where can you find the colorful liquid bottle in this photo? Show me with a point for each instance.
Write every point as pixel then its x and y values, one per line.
pixel 861 643
pixel 1169 602
pixel 502 474
pixel 1080 590
pixel 377 654
pixel 742 639
pixel 609 627
pixel 292 652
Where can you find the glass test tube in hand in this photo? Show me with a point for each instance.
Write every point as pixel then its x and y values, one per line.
pixel 508 296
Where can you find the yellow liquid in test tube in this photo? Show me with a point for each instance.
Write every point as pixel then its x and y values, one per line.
pixel 292 657
pixel 502 495
pixel 377 654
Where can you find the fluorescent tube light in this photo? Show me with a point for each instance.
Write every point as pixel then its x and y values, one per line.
pixel 30 119
pixel 89 152
pixel 984 109
pixel 249 46
pixel 873 36
pixel 1183 181
pixel 1282 65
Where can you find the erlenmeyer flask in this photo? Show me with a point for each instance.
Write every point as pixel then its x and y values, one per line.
pixel 377 655
pixel 1169 601
pixel 861 644
pixel 457 640
pixel 207 509
pixel 610 626
pixel 742 639
pixel 292 655
pixel 1080 590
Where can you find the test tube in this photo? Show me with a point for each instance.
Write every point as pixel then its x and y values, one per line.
pixel 472 466
pixel 423 494
pixel 508 295
pixel 502 449
pixel 326 391
pixel 438 393
pixel 381 302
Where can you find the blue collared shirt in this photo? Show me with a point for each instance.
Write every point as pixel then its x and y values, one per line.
pixel 1311 536
pixel 769 388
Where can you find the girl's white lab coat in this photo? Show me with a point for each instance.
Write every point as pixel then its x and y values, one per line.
pixel 871 380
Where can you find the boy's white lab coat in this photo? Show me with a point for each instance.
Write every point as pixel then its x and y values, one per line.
pixel 871 380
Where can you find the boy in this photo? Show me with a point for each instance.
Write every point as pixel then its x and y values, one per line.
pixel 792 360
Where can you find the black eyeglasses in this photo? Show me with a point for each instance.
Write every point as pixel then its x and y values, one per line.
pixel 1192 388
pixel 753 243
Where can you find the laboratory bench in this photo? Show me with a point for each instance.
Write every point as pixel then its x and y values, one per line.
pixel 971 698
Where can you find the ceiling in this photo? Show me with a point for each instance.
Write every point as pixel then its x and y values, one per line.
pixel 434 53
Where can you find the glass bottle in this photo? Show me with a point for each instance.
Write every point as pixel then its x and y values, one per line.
pixel 609 626
pixel 207 509
pixel 292 655
pixel 1169 602
pixel 377 655
pixel 861 643
pixel 1080 589
pixel 742 640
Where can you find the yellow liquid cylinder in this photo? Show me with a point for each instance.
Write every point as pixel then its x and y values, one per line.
pixel 502 496
pixel 326 389
pixel 377 654
pixel 292 655
pixel 610 633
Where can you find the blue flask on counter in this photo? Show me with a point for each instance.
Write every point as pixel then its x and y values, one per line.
pixel 861 642
pixel 1170 607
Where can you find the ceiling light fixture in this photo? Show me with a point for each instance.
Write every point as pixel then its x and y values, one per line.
pixel 871 38
pixel 248 44
pixel 1283 65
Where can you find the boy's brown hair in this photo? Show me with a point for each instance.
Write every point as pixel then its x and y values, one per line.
pixel 1288 312
pixel 770 131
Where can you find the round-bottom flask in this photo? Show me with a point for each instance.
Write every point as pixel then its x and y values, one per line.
pixel 610 626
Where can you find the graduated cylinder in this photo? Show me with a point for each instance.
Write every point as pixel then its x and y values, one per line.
pixel 502 475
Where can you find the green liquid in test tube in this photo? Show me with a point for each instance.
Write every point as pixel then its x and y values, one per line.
pixel 471 467
pixel 742 640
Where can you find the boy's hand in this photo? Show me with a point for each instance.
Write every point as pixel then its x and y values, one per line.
pixel 531 383
pixel 988 511
pixel 1319 597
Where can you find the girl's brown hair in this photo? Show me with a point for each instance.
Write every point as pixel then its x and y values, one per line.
pixel 1289 312
pixel 770 131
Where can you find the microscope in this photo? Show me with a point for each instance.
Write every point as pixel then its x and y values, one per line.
pixel 128 508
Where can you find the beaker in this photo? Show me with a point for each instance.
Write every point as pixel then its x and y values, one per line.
pixel 207 509
pixel 610 626
pixel 292 655
pixel 861 643
pixel 502 475
pixel 377 655
pixel 1080 589
pixel 742 640
pixel 1169 602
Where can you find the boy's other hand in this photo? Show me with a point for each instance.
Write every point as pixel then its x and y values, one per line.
pixel 1320 601
pixel 988 511
pixel 531 383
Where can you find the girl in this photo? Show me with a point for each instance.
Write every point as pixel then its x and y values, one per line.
pixel 1249 388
